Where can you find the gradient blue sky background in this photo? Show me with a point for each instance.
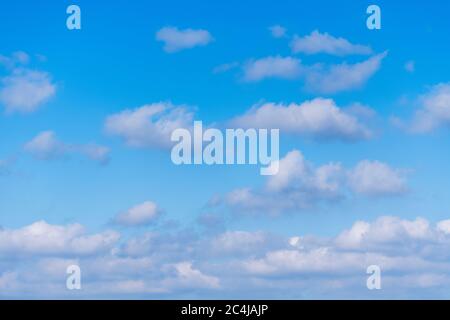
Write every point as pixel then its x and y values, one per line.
pixel 115 63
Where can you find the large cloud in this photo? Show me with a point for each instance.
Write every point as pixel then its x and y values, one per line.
pixel 176 40
pixel 300 185
pixel 319 118
pixel 412 254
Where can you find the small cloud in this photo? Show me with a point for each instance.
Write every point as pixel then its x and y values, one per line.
pixel 434 111
pixel 272 67
pixel 342 77
pixel 277 31
pixel 46 146
pixel 140 215
pixel 176 40
pixel 25 90
pixel 318 42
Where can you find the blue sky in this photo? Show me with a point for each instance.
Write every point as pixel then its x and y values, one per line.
pixel 363 116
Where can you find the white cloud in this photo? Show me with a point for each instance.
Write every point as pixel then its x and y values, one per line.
pixel 376 179
pixel 26 90
pixel 318 42
pixel 277 31
pixel 363 235
pixel 297 186
pixel 46 146
pixel 342 77
pixel 413 255
pixel 444 226
pixel 176 40
pixel 318 118
pixel 272 67
pixel 434 110
pixel 150 125
pixel 300 185
pixel 139 215
pixel 42 238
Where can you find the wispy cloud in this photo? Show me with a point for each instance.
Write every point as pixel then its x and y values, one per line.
pixel 272 67
pixel 46 146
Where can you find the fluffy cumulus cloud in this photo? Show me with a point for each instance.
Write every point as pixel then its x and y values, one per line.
pixel 26 90
pixel 272 67
pixel 434 110
pixel 377 179
pixel 46 146
pixel 319 118
pixel 150 125
pixel 139 215
pixel 175 39
pixel 342 77
pixel 299 185
pixel 412 254
pixel 318 42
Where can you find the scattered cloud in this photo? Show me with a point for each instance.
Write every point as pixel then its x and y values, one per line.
pixel 176 40
pixel 319 118
pixel 318 42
